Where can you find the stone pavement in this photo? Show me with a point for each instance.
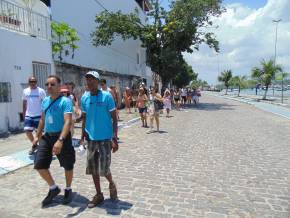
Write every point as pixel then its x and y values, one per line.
pixel 219 159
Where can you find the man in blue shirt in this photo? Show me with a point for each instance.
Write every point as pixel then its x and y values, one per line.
pixel 99 127
pixel 56 121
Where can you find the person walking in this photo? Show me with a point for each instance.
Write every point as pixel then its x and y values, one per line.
pixel 32 98
pixel 128 98
pixel 115 95
pixel 66 90
pixel 183 96
pixel 195 96
pixel 167 102
pixel 154 101
pixel 56 122
pixel 99 128
pixel 176 97
pixel 134 99
pixel 141 104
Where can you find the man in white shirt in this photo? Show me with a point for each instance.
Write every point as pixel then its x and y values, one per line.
pixel 32 98
pixel 183 96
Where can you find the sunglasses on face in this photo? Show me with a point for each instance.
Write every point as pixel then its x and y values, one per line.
pixel 32 81
pixel 50 84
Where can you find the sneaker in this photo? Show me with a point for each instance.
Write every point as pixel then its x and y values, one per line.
pixel 113 191
pixel 51 194
pixel 67 196
pixel 97 199
pixel 33 149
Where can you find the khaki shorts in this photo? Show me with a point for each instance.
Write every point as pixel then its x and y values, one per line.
pixel 99 157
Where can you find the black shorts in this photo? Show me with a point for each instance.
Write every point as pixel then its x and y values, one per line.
pixel 43 157
pixel 142 110
pixel 184 98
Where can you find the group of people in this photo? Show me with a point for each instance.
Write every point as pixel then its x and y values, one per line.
pixel 51 117
pixel 152 103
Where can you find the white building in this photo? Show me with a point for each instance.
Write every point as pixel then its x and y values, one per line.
pixel 25 49
pixel 122 62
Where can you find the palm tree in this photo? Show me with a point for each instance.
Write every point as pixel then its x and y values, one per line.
pixel 281 77
pixel 240 82
pixel 225 77
pixel 266 74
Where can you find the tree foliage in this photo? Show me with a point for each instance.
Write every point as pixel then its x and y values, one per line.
pixel 185 75
pixel 239 81
pixel 166 35
pixel 266 73
pixel 226 77
pixel 64 40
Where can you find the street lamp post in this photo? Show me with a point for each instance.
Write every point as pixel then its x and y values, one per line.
pixel 275 56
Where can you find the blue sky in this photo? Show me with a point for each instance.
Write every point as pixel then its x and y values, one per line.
pixel 250 3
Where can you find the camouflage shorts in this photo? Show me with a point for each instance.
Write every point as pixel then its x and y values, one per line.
pixel 99 157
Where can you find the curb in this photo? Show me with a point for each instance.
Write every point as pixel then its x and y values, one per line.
pixel 21 159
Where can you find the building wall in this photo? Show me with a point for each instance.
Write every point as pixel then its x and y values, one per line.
pixel 17 52
pixel 121 57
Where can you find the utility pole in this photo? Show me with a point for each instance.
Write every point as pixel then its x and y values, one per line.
pixel 276 22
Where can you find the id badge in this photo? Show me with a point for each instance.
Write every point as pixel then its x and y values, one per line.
pixel 50 120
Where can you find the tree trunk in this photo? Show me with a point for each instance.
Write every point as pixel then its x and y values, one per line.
pixel 226 90
pixel 239 91
pixel 265 94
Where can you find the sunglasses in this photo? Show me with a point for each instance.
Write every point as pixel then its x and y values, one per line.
pixel 32 81
pixel 50 84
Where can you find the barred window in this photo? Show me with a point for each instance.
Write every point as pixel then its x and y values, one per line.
pixel 41 72
pixel 5 92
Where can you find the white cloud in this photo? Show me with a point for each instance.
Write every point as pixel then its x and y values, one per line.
pixel 246 37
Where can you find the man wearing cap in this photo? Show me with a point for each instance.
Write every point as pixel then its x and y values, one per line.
pixel 32 98
pixel 56 121
pixel 99 126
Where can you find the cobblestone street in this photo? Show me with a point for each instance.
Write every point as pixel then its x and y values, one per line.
pixel 221 158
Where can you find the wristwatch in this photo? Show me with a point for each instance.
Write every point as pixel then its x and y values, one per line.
pixel 61 139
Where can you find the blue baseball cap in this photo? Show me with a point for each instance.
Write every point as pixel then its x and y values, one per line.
pixel 93 74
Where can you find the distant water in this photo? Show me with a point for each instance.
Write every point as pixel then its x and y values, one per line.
pixel 261 92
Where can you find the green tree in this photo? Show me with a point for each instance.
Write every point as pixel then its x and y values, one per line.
pixel 225 77
pixel 240 82
pixel 198 83
pixel 184 76
pixel 64 40
pixel 166 35
pixel 266 73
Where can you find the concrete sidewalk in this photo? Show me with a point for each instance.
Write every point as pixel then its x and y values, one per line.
pixel 272 107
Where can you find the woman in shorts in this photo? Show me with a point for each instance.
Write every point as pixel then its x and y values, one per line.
pixel 176 97
pixel 154 98
pixel 167 102
pixel 128 99
pixel 141 104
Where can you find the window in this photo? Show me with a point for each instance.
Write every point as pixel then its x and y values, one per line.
pixel 138 58
pixel 5 92
pixel 41 72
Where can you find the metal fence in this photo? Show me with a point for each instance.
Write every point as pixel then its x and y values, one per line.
pixel 24 20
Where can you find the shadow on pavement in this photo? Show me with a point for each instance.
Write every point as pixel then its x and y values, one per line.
pixel 112 207
pixel 210 107
pixel 115 207
pixel 78 201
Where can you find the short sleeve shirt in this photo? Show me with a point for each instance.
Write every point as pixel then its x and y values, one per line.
pixel 98 110
pixel 54 116
pixel 33 97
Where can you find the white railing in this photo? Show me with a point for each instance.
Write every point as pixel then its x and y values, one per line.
pixel 17 18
